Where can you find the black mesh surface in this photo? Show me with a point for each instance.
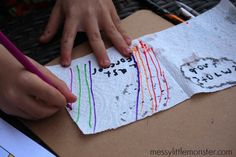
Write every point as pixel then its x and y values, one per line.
pixel 25 31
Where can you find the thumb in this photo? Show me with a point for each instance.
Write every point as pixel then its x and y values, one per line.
pixel 57 83
pixel 53 25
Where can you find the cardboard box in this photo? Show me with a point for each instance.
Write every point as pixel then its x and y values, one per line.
pixel 205 122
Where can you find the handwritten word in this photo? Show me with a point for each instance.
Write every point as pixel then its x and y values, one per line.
pixel 210 72
pixel 113 69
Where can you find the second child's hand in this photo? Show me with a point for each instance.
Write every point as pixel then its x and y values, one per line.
pixel 25 95
pixel 90 16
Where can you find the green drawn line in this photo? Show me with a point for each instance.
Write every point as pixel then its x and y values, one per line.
pixel 79 98
pixel 89 95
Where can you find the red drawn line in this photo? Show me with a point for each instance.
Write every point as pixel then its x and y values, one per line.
pixel 159 66
pixel 148 52
pixel 158 78
pixel 141 43
pixel 146 77
pixel 167 88
pixel 150 73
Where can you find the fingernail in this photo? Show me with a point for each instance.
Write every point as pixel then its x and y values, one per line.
pixel 129 40
pixel 71 98
pixel 128 50
pixel 65 63
pixel 74 97
pixel 106 62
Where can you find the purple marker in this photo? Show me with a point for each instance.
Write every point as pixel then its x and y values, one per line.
pixel 21 58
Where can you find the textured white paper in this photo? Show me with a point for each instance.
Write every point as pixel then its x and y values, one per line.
pixel 13 143
pixel 165 69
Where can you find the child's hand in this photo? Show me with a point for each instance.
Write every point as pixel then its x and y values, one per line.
pixel 25 95
pixel 89 16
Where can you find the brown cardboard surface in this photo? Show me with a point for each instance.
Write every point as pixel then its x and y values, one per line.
pixel 206 121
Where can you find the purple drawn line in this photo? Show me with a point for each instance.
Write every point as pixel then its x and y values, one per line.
pixel 91 89
pixel 71 79
pixel 137 99
pixel 71 82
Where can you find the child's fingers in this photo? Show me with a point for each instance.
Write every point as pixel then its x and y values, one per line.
pixel 62 87
pixel 96 42
pixel 53 24
pixel 67 41
pixel 36 109
pixel 14 110
pixel 36 87
pixel 59 84
pixel 115 36
pixel 117 23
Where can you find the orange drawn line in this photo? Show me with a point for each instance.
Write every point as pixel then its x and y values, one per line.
pixel 146 77
pixel 150 73
pixel 158 78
